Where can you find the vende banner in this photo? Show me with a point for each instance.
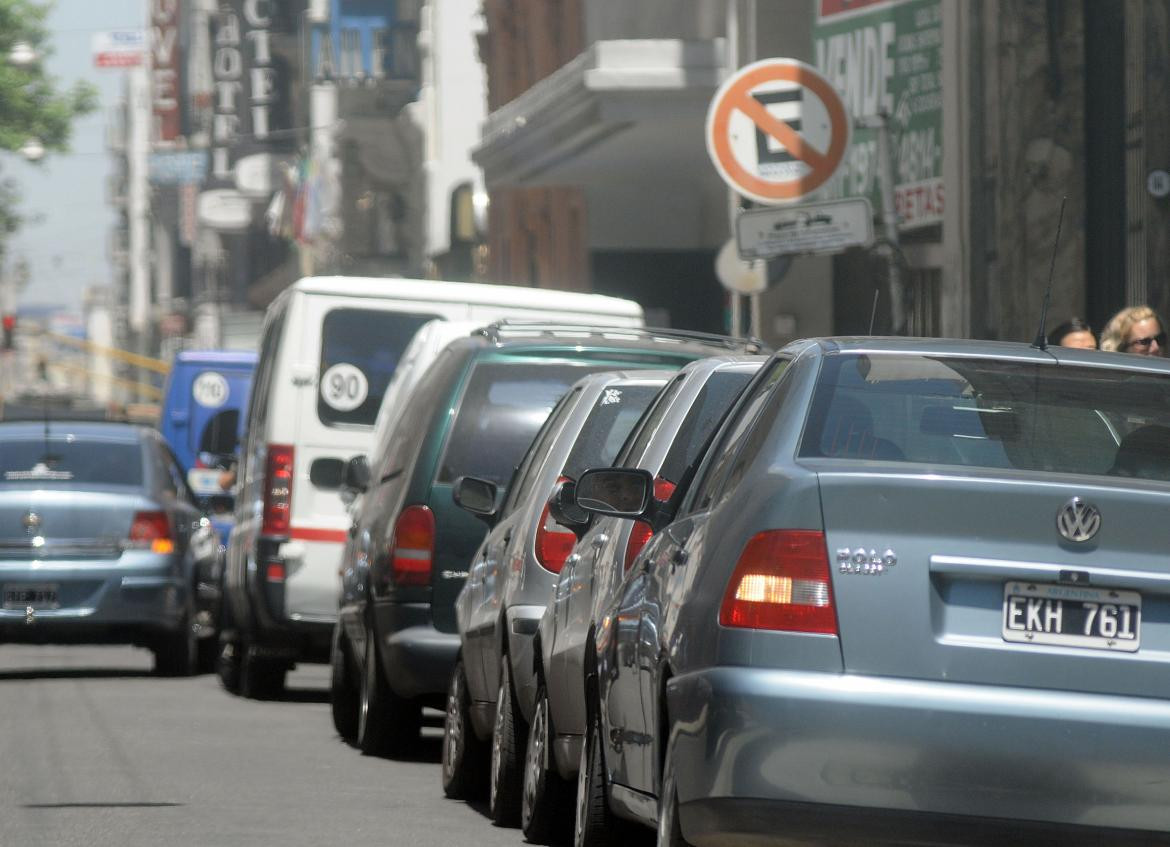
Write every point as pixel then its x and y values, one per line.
pixel 886 56
pixel 118 48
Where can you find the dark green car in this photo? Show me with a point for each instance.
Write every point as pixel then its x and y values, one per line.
pixel 474 413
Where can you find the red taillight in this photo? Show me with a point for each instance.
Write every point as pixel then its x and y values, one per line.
pixel 274 572
pixel 278 482
pixel 781 582
pixel 641 531
pixel 554 543
pixel 413 545
pixel 151 530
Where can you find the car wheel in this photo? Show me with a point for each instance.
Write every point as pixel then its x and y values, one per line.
pixel 177 653
pixel 343 688
pixel 260 678
pixel 669 831
pixel 227 664
pixel 547 801
pixel 594 825
pixel 508 742
pixel 387 724
pixel 465 757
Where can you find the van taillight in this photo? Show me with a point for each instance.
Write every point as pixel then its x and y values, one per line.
pixel 641 532
pixel 151 531
pixel 554 543
pixel 781 582
pixel 278 482
pixel 413 545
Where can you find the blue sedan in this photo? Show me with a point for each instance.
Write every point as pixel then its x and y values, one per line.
pixel 101 541
pixel 915 590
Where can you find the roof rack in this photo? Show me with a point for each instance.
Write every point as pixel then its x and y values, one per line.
pixel 505 329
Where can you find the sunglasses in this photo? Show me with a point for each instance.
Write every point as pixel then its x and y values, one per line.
pixel 1147 341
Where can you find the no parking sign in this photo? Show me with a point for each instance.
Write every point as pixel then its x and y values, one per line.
pixel 777 130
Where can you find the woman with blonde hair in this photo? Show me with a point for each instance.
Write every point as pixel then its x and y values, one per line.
pixel 1135 329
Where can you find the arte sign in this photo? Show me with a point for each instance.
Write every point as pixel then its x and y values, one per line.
pixel 247 100
pixel 118 48
pixel 776 131
pixel 885 56
pixel 363 42
pixel 164 70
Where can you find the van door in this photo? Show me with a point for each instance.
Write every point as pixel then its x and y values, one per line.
pixel 349 350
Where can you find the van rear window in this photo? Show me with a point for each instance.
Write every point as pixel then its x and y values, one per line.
pixel 499 415
pixel 360 349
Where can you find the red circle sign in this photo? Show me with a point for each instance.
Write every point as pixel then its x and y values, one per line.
pixel 777 130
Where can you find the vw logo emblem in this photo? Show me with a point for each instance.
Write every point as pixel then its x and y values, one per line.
pixel 1078 520
pixel 31 521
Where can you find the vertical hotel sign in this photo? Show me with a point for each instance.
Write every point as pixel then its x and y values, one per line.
pixel 885 56
pixel 246 85
pixel 164 70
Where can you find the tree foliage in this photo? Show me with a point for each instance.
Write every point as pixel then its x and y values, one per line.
pixel 32 103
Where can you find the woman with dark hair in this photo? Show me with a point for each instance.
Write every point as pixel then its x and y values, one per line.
pixel 1073 333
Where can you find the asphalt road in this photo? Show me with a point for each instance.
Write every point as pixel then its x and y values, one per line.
pixel 94 750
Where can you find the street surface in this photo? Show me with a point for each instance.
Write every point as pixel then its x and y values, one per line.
pixel 96 751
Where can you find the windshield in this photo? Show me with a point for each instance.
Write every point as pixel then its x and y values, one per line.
pixel 991 414
pixel 69 460
pixel 502 408
pixel 360 349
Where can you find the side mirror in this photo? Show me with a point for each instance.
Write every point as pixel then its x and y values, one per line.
pixel 475 495
pixel 621 492
pixel 562 505
pixel 355 479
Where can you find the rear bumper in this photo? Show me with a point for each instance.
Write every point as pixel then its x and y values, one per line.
pixel 417 659
pixel 847 744
pixel 107 601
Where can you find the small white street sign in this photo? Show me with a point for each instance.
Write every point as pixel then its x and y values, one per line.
pixel 810 228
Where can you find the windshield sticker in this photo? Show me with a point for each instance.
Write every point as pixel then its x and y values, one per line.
pixel 344 387
pixel 210 390
pixel 611 396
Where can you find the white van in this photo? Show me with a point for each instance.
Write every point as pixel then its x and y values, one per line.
pixel 328 349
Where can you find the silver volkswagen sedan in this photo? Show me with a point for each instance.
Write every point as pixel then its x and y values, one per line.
pixel 917 589
pixel 101 540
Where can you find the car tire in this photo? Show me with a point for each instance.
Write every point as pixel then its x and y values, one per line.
pixel 344 697
pixel 227 664
pixel 669 830
pixel 465 756
pixel 388 725
pixel 177 653
pixel 207 654
pixel 546 805
pixel 260 678
pixel 507 763
pixel 594 825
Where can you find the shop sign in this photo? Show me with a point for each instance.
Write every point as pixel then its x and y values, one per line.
pixel 164 69
pixel 885 56
pixel 118 48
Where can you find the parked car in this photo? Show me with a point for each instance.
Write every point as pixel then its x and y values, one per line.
pixel 911 579
pixel 665 442
pixel 474 413
pixel 328 350
pixel 100 540
pixel 492 687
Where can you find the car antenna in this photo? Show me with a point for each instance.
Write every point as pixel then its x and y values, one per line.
pixel 1041 342
pixel 873 311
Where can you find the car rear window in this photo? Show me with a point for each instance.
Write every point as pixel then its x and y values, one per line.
pixel 360 349
pixel 502 408
pixel 991 414
pixel 609 423
pixel 69 461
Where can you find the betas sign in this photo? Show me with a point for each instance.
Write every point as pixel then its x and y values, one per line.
pixel 886 56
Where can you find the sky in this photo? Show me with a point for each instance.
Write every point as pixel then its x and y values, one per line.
pixel 67 245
